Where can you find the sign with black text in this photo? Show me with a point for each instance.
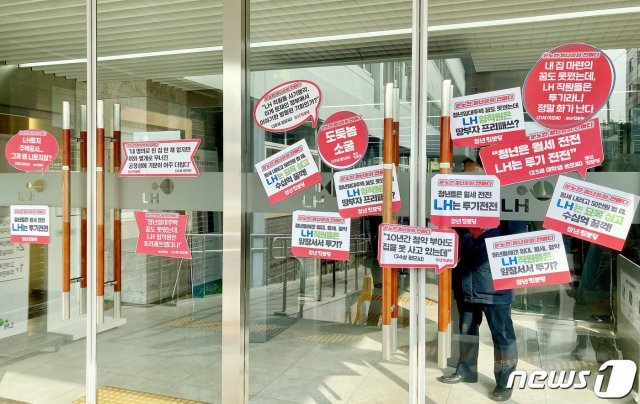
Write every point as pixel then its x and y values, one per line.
pixel 320 235
pixel 30 224
pixel 359 191
pixel 526 260
pixel 417 247
pixel 460 200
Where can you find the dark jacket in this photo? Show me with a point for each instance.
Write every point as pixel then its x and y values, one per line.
pixel 472 280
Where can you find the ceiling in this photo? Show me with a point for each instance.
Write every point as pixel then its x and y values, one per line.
pixel 498 35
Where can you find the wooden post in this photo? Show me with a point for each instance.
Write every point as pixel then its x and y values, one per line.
pixel 66 210
pixel 117 224
pixel 83 212
pixel 394 273
pixel 387 216
pixel 100 213
pixel 444 279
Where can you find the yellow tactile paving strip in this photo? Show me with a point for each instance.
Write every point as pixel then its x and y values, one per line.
pixel 116 395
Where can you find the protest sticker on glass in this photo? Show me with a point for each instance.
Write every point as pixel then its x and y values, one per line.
pixel 30 224
pixel 568 85
pixel 460 200
pixel 538 155
pixel 160 158
pixel 288 105
pixel 417 247
pixel 31 150
pixel 527 260
pixel 483 119
pixel 162 234
pixel 323 235
pixel 342 140
pixel 359 191
pixel 591 212
pixel 288 172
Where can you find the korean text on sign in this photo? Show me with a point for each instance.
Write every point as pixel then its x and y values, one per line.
pixel 568 85
pixel 526 260
pixel 166 158
pixel 543 154
pixel 417 247
pixel 486 118
pixel 288 105
pixel 342 140
pixel 591 212
pixel 288 172
pixel 162 234
pixel 31 150
pixel 320 235
pixel 359 191
pixel 459 200
pixel 30 224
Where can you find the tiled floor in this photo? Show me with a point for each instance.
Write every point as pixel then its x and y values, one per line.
pixel 174 350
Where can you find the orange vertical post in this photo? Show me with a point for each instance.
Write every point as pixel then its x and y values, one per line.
pixel 117 224
pixel 83 213
pixel 444 279
pixel 387 216
pixel 394 274
pixel 66 210
pixel 100 213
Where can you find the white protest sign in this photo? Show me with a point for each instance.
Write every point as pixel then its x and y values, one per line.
pixel 14 284
pixel 288 105
pixel 359 191
pixel 30 224
pixel 590 212
pixel 160 158
pixel 417 247
pixel 525 260
pixel 486 118
pixel 288 172
pixel 320 235
pixel 460 200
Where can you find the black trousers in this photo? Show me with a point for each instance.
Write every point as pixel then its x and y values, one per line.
pixel 505 352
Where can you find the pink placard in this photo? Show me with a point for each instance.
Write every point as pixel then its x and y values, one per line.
pixel 31 150
pixel 162 234
pixel 342 140
pixel 538 155
pixel 288 105
pixel 568 85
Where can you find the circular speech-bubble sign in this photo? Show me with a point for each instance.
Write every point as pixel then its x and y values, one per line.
pixel 568 85
pixel 288 105
pixel 342 139
pixel 31 150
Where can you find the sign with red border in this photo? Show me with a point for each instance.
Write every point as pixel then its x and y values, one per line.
pixel 288 172
pixel 288 105
pixel 591 212
pixel 528 260
pixel 31 150
pixel 359 191
pixel 30 224
pixel 162 234
pixel 160 158
pixel 460 200
pixel 486 118
pixel 538 155
pixel 323 235
pixel 568 85
pixel 402 246
pixel 342 140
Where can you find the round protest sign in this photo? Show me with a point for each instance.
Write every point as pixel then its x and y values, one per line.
pixel 568 85
pixel 288 105
pixel 31 150
pixel 342 140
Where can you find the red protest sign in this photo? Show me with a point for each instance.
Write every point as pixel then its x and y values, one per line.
pixel 538 155
pixel 568 85
pixel 288 105
pixel 162 234
pixel 342 140
pixel 31 150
